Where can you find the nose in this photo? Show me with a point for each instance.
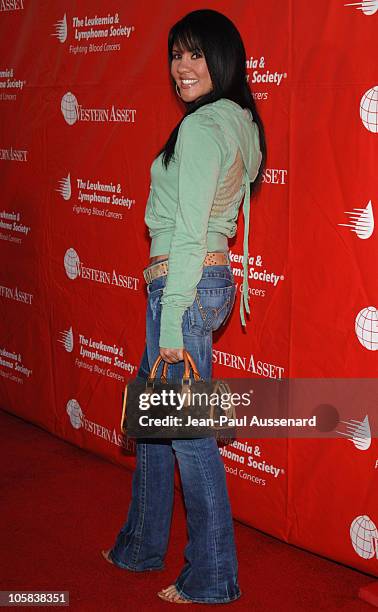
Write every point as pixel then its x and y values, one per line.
pixel 182 65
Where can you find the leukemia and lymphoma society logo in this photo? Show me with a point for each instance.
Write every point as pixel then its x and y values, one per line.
pixel 72 112
pixel 9 85
pixel 61 29
pixel 10 222
pixel 361 221
pixel 67 339
pixel 97 356
pixel 65 187
pixel 364 537
pixel 357 432
pixel 95 198
pixel 369 109
pixel 250 456
pixel 366 328
pixel 259 75
pixel 257 271
pixel 107 30
pixel 367 7
pixel 12 366
pixel 75 268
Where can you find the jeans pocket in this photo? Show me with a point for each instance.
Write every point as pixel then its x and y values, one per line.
pixel 210 309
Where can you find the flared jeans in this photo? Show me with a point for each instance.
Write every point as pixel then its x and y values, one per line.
pixel 210 571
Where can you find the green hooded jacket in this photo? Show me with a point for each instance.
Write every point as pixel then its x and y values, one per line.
pixel 193 205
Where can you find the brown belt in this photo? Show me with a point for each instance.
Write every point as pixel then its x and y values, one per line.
pixel 160 268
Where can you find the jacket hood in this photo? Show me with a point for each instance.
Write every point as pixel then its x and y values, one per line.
pixel 239 125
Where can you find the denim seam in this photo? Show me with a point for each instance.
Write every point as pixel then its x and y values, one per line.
pixel 231 307
pixel 142 508
pixel 211 497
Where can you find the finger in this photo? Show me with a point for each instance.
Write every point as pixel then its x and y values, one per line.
pixel 166 356
pixel 171 356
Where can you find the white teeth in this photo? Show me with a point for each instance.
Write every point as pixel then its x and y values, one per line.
pixel 189 81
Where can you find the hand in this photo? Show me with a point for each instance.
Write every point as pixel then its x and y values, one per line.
pixel 172 355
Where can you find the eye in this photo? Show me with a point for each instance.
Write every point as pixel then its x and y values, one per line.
pixel 196 54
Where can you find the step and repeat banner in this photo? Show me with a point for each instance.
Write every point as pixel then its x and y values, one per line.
pixel 86 103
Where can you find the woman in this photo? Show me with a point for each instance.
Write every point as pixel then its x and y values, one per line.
pixel 198 181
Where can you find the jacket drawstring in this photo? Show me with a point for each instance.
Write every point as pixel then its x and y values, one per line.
pixel 245 296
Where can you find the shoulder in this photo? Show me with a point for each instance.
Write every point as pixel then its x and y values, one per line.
pixel 203 128
pixel 207 115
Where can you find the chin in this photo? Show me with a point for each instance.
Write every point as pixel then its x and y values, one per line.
pixel 192 97
pixel 189 98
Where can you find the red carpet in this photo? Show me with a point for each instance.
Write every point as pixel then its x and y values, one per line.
pixel 61 505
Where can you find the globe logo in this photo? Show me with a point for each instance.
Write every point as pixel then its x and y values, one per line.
pixel 366 328
pixel 72 264
pixel 364 536
pixel 61 29
pixel 75 413
pixel 70 108
pixel 369 109
pixel 65 187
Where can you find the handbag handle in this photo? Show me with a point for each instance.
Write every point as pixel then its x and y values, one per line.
pixel 192 364
pixel 188 363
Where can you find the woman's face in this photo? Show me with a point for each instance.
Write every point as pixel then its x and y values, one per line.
pixel 189 70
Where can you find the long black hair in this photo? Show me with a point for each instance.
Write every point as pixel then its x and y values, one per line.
pixel 216 37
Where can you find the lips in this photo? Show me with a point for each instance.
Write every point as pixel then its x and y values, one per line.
pixel 187 83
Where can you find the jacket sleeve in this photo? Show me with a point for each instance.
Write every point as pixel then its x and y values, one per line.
pixel 200 150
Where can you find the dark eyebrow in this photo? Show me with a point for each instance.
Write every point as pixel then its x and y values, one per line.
pixel 195 50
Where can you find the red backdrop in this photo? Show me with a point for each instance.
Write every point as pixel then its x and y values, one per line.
pixel 73 242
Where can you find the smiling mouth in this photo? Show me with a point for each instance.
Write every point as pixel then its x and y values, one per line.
pixel 187 83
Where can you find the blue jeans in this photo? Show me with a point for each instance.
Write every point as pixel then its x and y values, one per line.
pixel 210 572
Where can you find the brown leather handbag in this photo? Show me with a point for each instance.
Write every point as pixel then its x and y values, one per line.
pixel 194 409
